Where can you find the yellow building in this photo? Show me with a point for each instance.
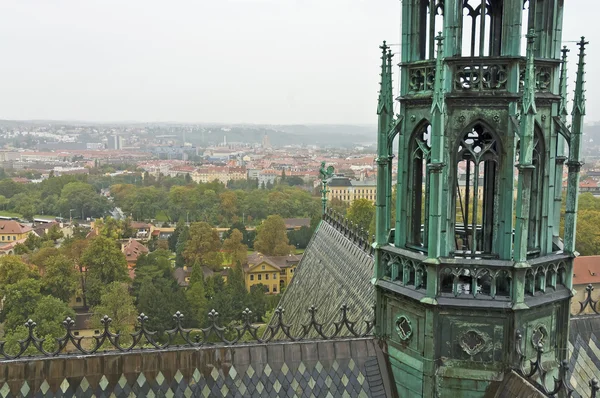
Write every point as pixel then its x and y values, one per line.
pixel 221 173
pixel 273 272
pixel 11 230
pixel 347 190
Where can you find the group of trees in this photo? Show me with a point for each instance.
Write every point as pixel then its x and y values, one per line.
pixel 587 240
pixel 199 244
pixel 145 197
pixel 213 202
pixel 55 195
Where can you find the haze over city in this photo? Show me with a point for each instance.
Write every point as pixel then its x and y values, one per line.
pixel 230 61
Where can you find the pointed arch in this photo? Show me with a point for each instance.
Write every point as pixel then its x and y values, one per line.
pixel 537 190
pixel 477 156
pixel 419 157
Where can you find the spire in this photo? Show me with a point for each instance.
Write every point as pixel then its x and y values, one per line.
pixel 385 86
pixel 389 90
pixel 574 162
pixel 579 101
pixel 529 89
pixel 563 84
pixel 438 89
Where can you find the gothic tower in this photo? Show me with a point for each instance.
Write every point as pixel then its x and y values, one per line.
pixel 474 256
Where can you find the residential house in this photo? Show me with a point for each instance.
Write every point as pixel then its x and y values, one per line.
pixel 11 231
pixel 132 250
pixel 183 274
pixel 9 248
pixel 142 229
pixel 84 325
pixel 162 232
pixel 586 271
pixel 274 272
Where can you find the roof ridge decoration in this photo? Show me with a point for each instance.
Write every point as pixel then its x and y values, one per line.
pixel 354 233
pixel 588 301
pixel 537 373
pixel 143 338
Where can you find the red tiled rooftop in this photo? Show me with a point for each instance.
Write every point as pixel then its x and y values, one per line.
pixel 586 270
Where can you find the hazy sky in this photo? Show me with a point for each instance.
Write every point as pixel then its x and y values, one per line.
pixel 254 61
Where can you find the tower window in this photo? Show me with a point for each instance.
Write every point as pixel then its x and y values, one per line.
pixel 482 28
pixel 476 191
pixel 535 206
pixel 418 186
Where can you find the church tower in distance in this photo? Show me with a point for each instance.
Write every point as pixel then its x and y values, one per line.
pixel 470 263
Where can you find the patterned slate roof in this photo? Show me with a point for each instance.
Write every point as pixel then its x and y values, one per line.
pixel 333 271
pixel 333 368
pixel 584 350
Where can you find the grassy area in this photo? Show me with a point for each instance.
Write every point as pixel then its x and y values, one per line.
pixel 161 216
pixel 9 214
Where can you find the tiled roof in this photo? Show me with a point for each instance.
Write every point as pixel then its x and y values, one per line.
pixel 351 367
pixel 584 350
pixel 586 269
pixel 277 261
pixel 139 225
pixel 333 271
pixel 180 274
pixel 10 246
pixel 13 227
pixel 132 250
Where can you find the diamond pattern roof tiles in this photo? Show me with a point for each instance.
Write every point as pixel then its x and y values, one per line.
pixel 298 375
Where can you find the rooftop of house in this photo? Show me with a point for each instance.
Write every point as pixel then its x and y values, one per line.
pixel 133 249
pixel 277 261
pixel 139 225
pixel 13 227
pixel 586 270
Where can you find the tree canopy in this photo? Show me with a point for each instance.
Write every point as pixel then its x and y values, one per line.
pixel 271 237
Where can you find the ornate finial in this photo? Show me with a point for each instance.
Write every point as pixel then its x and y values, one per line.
pixel 563 83
pixel 439 39
pixel 385 103
pixel 579 100
pixel 384 47
pixel 582 43
pixel 594 387
pixel 529 86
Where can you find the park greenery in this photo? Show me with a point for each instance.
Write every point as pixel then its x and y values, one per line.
pixel 144 197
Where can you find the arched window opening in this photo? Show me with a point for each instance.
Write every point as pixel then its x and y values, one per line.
pixel 534 228
pixel 435 24
pixel 525 24
pixel 481 27
pixel 476 192
pixel 536 200
pixel 418 187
